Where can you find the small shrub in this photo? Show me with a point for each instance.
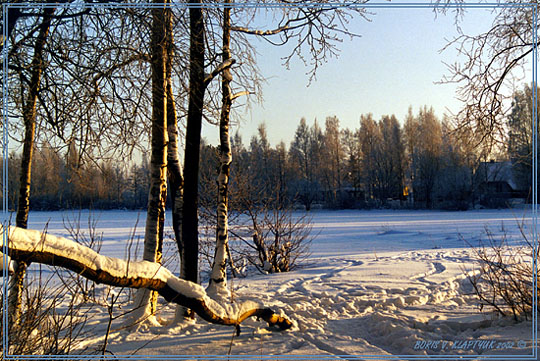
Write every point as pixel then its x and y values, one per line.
pixel 51 322
pixel 504 280
pixel 280 239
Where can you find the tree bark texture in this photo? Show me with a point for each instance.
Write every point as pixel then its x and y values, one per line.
pixel 155 216
pixel 190 223
pixel 218 278
pixel 33 246
pixel 174 168
pixel 29 117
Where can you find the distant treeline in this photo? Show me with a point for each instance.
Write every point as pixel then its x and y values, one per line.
pixel 61 182
pixel 422 163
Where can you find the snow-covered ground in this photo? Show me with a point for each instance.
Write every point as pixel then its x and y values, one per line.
pixel 377 283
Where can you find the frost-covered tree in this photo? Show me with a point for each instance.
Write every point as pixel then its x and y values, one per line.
pixel 456 183
pixel 426 137
pixel 332 168
pixel 302 156
pixel 392 152
pixel 493 62
pixel 370 142
pixel 353 169
pixel 300 150
pixel 520 133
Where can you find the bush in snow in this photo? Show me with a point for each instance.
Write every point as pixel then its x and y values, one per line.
pixel 52 320
pixel 263 230
pixel 279 239
pixel 270 240
pixel 504 280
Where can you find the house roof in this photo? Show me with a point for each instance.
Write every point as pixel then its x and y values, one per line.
pixel 498 172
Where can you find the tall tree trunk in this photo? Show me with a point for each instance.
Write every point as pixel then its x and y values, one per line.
pixel 146 300
pixel 190 223
pixel 174 168
pixel 29 116
pixel 218 278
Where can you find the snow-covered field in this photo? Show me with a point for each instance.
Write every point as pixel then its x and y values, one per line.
pixel 377 283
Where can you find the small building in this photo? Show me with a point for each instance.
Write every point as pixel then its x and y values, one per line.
pixel 498 185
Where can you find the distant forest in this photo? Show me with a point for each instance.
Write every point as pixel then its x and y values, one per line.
pixel 423 163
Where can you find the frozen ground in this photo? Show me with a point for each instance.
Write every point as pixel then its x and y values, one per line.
pixel 377 283
pixel 360 231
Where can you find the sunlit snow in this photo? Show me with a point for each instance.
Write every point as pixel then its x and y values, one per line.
pixel 376 283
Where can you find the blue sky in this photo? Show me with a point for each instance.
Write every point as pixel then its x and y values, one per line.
pixel 394 65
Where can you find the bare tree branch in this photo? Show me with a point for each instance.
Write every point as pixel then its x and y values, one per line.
pixel 220 68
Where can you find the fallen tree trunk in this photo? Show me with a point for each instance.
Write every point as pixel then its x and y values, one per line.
pixel 34 246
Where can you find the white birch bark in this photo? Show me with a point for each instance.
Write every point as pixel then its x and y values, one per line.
pixel 145 300
pixel 218 279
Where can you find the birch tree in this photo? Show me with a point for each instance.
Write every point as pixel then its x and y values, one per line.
pixel 218 277
pixel 313 29
pixel 410 136
pixel 29 101
pixel 198 82
pixel 62 102
pixel 174 168
pixel 146 300
pixel 308 18
pixel 17 10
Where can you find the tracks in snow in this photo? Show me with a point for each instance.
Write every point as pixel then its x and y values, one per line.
pixel 435 268
pixel 324 299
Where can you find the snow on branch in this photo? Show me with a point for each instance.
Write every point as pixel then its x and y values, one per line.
pixel 34 246
pixel 221 67
pixel 239 94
